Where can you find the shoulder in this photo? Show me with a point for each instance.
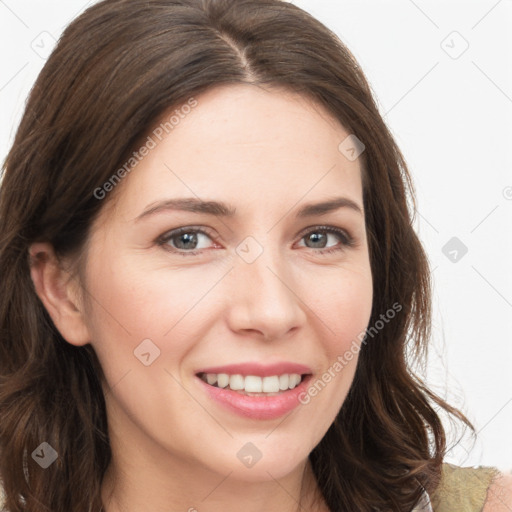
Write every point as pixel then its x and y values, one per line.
pixel 469 489
pixel 499 494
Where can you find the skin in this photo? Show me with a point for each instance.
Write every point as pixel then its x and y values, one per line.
pixel 499 494
pixel 267 153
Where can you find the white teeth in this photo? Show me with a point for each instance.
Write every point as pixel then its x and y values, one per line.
pixel 294 380
pixel 222 380
pixel 236 382
pixel 271 384
pixel 253 383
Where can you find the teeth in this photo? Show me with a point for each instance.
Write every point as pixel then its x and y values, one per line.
pixel 211 378
pixel 236 382
pixel 253 383
pixel 270 384
pixel 222 380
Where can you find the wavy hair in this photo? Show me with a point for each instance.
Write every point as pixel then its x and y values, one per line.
pixel 117 68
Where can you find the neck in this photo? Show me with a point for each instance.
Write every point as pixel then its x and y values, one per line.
pixel 195 489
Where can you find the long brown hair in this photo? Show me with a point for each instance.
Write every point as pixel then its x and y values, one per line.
pixel 114 71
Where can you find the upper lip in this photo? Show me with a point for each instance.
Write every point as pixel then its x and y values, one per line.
pixel 258 369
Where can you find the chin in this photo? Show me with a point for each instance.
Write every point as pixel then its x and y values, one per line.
pixel 256 459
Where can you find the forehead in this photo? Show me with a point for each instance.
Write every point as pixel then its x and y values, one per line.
pixel 241 142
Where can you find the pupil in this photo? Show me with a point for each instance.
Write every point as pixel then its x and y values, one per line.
pixel 318 238
pixel 187 237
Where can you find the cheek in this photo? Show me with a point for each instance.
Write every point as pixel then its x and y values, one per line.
pixel 345 308
pixel 130 305
pixel 143 302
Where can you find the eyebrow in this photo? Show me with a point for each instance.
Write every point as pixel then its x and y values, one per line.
pixel 195 205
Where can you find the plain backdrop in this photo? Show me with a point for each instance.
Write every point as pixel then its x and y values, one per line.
pixel 442 75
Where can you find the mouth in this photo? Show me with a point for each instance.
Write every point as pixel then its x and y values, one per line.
pixel 254 385
pixel 256 390
pixel 254 396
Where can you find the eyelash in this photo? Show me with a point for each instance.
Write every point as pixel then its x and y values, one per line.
pixel 346 240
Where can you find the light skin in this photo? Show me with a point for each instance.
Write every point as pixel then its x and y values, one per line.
pixel 267 154
pixel 499 494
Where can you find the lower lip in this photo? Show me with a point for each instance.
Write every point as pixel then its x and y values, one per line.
pixel 257 407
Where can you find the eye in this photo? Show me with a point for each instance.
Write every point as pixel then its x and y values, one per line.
pixel 319 237
pixel 183 239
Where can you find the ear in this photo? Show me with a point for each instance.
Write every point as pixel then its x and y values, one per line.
pixel 58 293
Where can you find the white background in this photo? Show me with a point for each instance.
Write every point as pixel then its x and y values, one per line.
pixel 451 114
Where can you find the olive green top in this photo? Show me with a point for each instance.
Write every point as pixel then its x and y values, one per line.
pixel 462 489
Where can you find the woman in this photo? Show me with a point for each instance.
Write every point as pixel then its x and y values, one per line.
pixel 210 277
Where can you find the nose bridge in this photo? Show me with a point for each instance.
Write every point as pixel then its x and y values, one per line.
pixel 263 298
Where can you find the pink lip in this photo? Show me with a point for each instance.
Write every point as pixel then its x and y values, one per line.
pixel 258 369
pixel 257 407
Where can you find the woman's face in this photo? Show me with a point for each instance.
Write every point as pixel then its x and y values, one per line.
pixel 263 286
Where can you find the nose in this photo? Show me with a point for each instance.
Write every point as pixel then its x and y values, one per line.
pixel 264 297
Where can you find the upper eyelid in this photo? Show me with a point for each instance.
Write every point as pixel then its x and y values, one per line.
pixel 325 227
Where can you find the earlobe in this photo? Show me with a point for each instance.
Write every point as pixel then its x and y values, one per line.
pixel 58 293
